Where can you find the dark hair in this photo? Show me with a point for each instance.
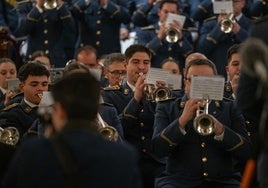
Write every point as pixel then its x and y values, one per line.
pixel 234 49
pixel 7 60
pixel 79 94
pixel 39 53
pixel 74 65
pixel 201 62
pixel 169 1
pixel 169 60
pixel 132 49
pixel 113 57
pixel 85 48
pixel 33 68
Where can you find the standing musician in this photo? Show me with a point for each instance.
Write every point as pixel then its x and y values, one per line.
pixel 195 160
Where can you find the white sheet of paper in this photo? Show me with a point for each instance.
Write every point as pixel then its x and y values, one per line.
pixel 211 86
pixel 176 17
pixel 222 7
pixel 174 81
pixel 156 74
pixel 13 84
pixel 47 99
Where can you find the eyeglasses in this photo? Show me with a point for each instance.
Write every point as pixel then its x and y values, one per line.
pixel 118 72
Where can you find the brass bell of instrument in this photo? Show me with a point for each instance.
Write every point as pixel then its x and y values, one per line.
pixel 50 4
pixel 162 94
pixel 227 24
pixel 9 135
pixel 107 131
pixel 172 35
pixel 204 123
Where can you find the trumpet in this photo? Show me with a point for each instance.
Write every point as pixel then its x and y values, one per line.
pixel 204 123
pixel 9 136
pixel 156 94
pixel 50 4
pixel 172 35
pixel 108 132
pixel 227 24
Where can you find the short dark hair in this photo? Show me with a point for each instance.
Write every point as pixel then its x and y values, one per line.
pixel 132 49
pixel 5 60
pixel 113 57
pixel 85 48
pixel 234 49
pixel 75 65
pixel 201 62
pixel 169 1
pixel 79 94
pixel 33 68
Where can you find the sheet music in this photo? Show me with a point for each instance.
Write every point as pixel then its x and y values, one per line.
pixel 13 84
pixel 220 7
pixel 211 86
pixel 156 74
pixel 176 17
pixel 174 81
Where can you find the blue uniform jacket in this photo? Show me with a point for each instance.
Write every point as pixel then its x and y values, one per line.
pixel 19 115
pixel 99 27
pixel 45 31
pixel 214 43
pixel 101 163
pixel 193 158
pixel 162 49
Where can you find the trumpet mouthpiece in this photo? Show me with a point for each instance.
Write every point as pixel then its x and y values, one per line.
pixel 40 95
pixel 141 73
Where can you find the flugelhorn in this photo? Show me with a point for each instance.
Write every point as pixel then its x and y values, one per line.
pixel 9 135
pixel 204 123
pixel 106 130
pixel 227 24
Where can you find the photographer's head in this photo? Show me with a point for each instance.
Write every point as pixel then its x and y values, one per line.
pixel 76 96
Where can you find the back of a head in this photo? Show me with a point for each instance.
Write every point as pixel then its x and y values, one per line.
pixel 79 95
pixel 197 62
pixel 33 68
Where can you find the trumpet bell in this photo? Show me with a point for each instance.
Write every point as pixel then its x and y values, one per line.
pixel 9 136
pixel 204 124
pixel 50 4
pixel 162 94
pixel 109 133
pixel 227 25
pixel 172 35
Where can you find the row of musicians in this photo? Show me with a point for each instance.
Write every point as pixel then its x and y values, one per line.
pixel 55 31
pixel 162 133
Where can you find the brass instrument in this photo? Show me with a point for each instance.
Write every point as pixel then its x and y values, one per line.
pixel 204 123
pixel 156 94
pixel 107 131
pixel 172 35
pixel 50 4
pixel 162 94
pixel 227 24
pixel 9 136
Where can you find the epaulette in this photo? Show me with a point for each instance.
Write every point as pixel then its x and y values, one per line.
pixel 10 106
pixel 148 27
pixel 24 1
pixel 108 104
pixel 168 99
pixel 111 88
pixel 209 19
pixel 17 94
